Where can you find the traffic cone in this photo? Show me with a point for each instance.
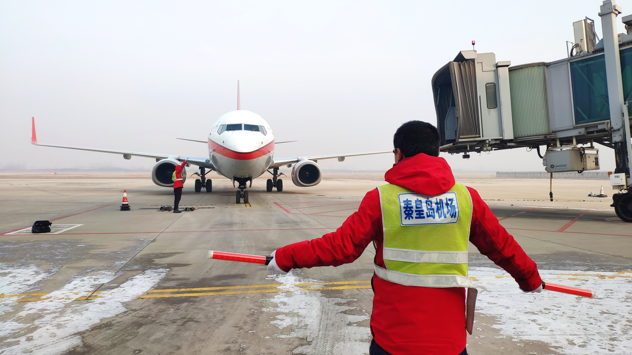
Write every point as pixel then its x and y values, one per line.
pixel 125 204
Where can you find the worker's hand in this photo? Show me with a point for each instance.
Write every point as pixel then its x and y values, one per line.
pixel 272 266
pixel 537 290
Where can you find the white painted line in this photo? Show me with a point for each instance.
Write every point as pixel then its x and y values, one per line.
pixel 70 226
pixel 55 229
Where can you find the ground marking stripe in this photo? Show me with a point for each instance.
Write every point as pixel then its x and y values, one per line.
pixel 573 221
pixel 283 208
pixel 275 290
pixel 199 294
pixel 198 231
pixel 519 213
pixel 56 219
pixel 565 232
pixel 255 286
pixel 199 288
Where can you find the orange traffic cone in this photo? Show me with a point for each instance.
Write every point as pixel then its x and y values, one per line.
pixel 125 205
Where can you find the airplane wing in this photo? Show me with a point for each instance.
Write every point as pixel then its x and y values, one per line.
pixel 341 157
pixel 203 162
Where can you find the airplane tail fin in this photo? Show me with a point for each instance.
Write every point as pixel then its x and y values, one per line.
pixel 33 134
pixel 238 97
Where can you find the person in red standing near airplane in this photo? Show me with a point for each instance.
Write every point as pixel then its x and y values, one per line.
pixel 178 184
pixel 420 223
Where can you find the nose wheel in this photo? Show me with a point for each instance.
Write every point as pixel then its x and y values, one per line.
pixel 241 194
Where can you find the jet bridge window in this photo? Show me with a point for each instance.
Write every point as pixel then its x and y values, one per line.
pixel 490 93
pixel 590 90
pixel 234 127
pixel 251 127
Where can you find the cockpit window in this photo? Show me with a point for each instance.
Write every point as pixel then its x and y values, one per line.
pixel 251 127
pixel 221 128
pixel 234 127
pixel 263 130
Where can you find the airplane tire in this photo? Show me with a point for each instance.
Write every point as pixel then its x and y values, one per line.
pixel 209 185
pixel 623 207
pixel 279 185
pixel 245 196
pixel 198 185
pixel 269 185
pixel 238 197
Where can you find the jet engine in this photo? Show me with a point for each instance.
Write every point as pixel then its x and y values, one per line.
pixel 163 172
pixel 306 173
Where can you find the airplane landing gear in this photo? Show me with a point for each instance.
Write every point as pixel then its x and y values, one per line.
pixel 203 181
pixel 275 181
pixel 622 204
pixel 241 193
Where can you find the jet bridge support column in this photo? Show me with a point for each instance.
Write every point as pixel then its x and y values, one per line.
pixel 608 13
pixel 619 121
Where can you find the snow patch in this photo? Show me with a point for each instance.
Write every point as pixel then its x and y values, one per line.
pixel 19 279
pixel 318 319
pixel 60 318
pixel 578 325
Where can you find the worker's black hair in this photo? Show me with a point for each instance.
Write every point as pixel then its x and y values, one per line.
pixel 414 137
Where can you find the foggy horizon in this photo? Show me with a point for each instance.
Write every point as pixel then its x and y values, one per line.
pixel 338 77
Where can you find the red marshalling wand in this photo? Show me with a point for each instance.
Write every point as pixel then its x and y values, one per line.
pixel 244 258
pixel 265 260
pixel 569 290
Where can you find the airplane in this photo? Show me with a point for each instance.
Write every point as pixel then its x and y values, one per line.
pixel 240 147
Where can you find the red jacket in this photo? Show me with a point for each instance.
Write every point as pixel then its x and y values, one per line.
pixel 406 319
pixel 179 183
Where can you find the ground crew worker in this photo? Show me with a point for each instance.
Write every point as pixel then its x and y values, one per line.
pixel 420 223
pixel 178 183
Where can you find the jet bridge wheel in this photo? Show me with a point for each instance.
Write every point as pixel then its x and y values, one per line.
pixel 209 185
pixel 198 185
pixel 623 207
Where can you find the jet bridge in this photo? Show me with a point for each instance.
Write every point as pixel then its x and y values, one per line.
pixel 567 105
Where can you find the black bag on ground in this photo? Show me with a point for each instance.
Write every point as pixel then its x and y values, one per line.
pixel 41 227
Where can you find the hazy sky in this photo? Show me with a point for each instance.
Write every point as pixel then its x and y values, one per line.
pixel 338 76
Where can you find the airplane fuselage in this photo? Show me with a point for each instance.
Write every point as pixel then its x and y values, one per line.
pixel 241 145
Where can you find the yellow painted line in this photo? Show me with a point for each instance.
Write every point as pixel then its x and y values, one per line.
pixel 213 288
pixel 85 298
pixel 210 293
pixel 254 286
pixel 225 293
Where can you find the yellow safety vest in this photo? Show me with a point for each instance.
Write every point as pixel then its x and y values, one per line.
pixel 174 178
pixel 425 237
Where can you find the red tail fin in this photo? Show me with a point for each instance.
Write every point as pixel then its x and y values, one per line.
pixel 33 135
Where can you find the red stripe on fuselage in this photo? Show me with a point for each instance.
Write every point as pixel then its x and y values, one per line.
pixel 216 148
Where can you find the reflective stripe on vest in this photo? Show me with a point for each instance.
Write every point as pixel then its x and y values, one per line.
pixel 174 178
pixel 425 237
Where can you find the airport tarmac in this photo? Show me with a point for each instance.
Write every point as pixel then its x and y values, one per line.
pixel 112 282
